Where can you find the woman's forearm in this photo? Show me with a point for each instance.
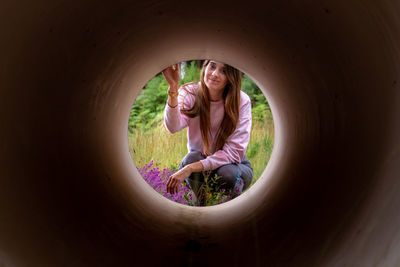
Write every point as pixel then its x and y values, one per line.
pixel 196 167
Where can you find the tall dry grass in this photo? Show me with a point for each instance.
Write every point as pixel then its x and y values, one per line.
pixel 166 149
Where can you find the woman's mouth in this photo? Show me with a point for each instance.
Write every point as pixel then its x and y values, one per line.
pixel 213 81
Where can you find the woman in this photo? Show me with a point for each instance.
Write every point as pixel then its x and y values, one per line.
pixel 218 116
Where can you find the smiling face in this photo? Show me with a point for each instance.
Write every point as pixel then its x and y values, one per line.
pixel 215 76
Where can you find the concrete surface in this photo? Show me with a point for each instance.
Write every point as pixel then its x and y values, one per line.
pixel 70 194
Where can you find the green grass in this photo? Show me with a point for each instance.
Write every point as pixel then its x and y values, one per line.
pixel 167 150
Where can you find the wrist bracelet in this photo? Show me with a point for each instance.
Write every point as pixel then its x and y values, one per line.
pixel 173 94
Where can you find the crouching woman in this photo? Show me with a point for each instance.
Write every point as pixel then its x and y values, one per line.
pixel 218 117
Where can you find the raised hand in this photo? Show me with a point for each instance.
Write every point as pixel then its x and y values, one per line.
pixel 171 75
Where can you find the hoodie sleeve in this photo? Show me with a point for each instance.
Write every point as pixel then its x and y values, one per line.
pixel 174 120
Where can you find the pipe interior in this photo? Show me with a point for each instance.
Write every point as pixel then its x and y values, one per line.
pixel 70 193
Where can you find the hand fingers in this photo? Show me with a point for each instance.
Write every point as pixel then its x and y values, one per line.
pixel 170 189
pixel 172 185
pixel 165 72
pixel 168 68
pixel 176 187
pixel 173 68
pixel 168 184
pixel 174 190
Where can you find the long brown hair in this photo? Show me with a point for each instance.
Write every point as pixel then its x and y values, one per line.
pixel 201 107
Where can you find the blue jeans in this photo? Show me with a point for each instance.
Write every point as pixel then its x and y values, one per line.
pixel 228 173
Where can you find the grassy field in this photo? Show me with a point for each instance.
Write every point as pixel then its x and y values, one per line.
pixel 167 150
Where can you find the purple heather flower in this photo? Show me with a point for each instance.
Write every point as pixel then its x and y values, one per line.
pixel 157 179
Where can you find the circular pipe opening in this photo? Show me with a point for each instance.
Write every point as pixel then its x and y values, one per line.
pixel 165 149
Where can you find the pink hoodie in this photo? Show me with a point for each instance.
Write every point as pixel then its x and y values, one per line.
pixel 235 146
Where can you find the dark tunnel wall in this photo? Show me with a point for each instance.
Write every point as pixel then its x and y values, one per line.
pixel 70 194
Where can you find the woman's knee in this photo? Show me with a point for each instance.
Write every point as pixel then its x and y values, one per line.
pixel 228 174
